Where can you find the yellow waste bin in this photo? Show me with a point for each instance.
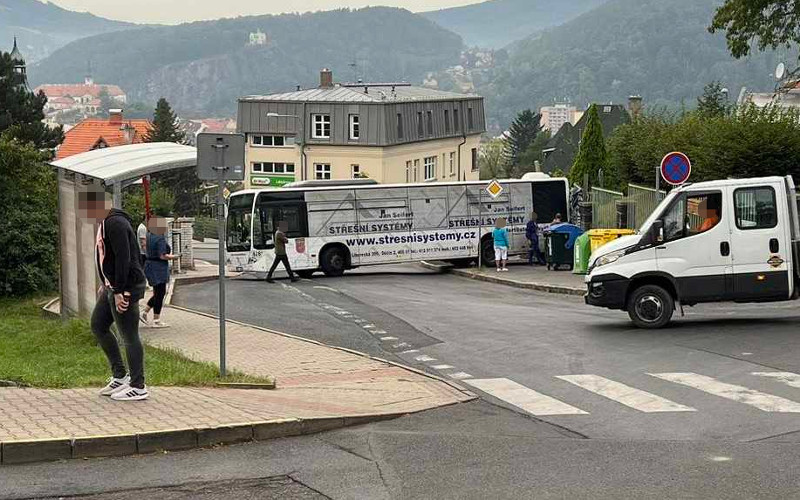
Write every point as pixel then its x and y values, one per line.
pixel 599 237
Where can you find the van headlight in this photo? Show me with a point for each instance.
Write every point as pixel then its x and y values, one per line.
pixel 609 258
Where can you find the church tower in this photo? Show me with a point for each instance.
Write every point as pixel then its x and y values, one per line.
pixel 19 64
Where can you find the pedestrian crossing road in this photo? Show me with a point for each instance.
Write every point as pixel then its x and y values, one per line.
pixel 539 404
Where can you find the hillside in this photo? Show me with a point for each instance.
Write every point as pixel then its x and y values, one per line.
pixel 42 28
pixel 621 48
pixel 496 23
pixel 203 67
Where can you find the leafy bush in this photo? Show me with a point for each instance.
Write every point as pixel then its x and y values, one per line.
pixel 205 227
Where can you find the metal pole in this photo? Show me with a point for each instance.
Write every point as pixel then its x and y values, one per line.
pixel 658 184
pixel 221 242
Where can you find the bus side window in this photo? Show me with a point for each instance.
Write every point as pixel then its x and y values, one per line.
pixel 263 228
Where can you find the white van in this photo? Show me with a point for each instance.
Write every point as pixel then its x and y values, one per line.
pixel 731 240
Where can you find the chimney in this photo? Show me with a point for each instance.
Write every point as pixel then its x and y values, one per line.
pixel 635 106
pixel 115 115
pixel 129 132
pixel 325 78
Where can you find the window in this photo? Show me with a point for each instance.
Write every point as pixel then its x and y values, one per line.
pixel 271 140
pixel 355 170
pixel 470 122
pixel 321 126
pixel 446 121
pixel 408 171
pixel 755 208
pixel 452 163
pixel 430 122
pixel 399 126
pixel 420 125
pixel 273 168
pixel 430 168
pixel 474 159
pixel 269 214
pixel 606 109
pixel 692 214
pixel 355 132
pixel 456 125
pixel 322 171
pixel 416 169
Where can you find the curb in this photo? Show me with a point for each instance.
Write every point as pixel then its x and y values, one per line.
pixel 48 450
pixel 541 287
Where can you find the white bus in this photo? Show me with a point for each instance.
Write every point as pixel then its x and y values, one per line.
pixel 333 227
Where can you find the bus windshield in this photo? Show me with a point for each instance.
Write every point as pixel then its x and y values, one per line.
pixel 240 217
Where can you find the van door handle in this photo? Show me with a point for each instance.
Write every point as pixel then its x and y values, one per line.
pixel 725 249
pixel 774 245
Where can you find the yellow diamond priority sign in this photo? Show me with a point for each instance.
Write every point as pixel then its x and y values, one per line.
pixel 494 189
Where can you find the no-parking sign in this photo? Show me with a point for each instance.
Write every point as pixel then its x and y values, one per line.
pixel 676 168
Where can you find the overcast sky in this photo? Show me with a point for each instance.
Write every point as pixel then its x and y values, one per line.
pixel 178 11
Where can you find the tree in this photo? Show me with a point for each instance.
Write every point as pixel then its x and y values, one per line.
pixel 106 103
pixel 534 153
pixel 592 157
pixel 770 22
pixel 162 201
pixel 521 134
pixel 714 101
pixel 183 183
pixel 22 111
pixel 492 160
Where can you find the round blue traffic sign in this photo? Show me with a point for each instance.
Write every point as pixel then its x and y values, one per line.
pixel 676 168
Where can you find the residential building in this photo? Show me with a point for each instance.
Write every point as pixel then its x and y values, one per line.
pixel 563 147
pixel 98 133
pixel 191 128
pixel 787 96
pixel 390 132
pixel 258 38
pixel 555 116
pixel 81 99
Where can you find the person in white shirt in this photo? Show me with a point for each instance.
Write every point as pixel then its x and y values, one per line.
pixel 141 233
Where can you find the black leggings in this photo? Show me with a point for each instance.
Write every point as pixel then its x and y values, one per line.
pixel 104 314
pixel 156 302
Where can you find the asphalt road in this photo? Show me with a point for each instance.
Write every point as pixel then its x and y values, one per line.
pixel 685 412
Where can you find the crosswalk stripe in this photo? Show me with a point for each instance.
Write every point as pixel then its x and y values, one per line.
pixel 526 399
pixel 621 393
pixel 760 400
pixel 788 378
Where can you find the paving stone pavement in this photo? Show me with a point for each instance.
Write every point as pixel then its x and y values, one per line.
pixel 314 381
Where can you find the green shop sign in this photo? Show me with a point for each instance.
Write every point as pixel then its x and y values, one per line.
pixel 271 181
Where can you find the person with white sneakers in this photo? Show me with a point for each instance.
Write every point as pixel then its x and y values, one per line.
pixel 123 285
pixel 501 244
pixel 156 269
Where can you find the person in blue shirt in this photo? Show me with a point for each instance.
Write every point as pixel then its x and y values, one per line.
pixel 501 244
pixel 532 234
pixel 156 269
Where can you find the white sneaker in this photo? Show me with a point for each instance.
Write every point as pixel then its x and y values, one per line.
pixel 160 324
pixel 499 270
pixel 505 269
pixel 131 394
pixel 115 384
pixel 143 318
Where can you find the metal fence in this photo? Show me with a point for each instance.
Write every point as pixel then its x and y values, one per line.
pixel 604 207
pixel 641 203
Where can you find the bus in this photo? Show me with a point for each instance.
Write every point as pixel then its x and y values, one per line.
pixel 334 227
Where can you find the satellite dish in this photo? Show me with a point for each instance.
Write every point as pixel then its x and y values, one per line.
pixel 780 71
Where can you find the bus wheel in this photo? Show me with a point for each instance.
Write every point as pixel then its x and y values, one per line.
pixel 650 306
pixel 305 273
pixel 487 252
pixel 334 261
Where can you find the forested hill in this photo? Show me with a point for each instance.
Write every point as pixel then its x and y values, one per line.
pixel 496 23
pixel 203 67
pixel 42 28
pixel 660 49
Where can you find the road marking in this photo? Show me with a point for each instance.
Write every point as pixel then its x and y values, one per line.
pixel 788 378
pixel 761 400
pixel 623 394
pixel 460 375
pixel 368 327
pixel 425 358
pixel 386 339
pixel 401 344
pixel 523 398
pixel 327 288
pixel 441 367
pixel 410 351
pixel 379 332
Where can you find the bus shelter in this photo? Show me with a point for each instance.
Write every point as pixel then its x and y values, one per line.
pixel 114 169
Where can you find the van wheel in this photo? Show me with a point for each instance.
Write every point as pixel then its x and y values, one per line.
pixel 333 261
pixel 650 306
pixel 487 252
pixel 305 273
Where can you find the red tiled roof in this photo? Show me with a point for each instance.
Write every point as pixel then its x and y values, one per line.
pixel 85 135
pixel 79 89
pixel 62 100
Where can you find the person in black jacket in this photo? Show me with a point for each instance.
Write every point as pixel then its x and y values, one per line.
pixel 123 285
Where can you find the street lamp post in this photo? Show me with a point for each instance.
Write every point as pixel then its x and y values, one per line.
pixel 301 132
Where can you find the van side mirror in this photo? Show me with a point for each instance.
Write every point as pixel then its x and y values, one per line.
pixel 657 232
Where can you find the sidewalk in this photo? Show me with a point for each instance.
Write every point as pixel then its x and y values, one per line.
pixel 521 275
pixel 318 388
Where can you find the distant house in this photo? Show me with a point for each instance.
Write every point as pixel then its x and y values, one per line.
pixel 98 133
pixel 259 38
pixel 83 99
pixel 563 147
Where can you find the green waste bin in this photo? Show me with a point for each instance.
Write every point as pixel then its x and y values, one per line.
pixel 556 250
pixel 583 251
